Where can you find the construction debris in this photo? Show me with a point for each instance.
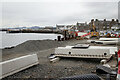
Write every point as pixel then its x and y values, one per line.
pixel 103 61
pixel 55 59
pixel 104 70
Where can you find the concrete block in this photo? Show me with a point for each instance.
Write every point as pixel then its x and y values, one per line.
pixel 17 64
pixel 82 51
pixel 92 50
pixel 99 52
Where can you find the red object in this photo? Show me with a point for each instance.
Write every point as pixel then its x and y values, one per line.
pixel 115 35
pixel 119 36
pixel 76 33
pixel 85 34
pixel 88 33
pixel 119 54
pixel 118 62
pixel 119 67
pixel 82 36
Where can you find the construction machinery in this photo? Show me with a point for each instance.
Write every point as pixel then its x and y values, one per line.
pixel 94 32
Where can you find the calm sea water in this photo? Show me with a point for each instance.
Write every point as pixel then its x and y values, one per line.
pixel 13 39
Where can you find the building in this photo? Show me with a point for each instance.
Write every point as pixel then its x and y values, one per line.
pixel 104 24
pixel 119 25
pixel 60 27
pixel 82 26
pixel 65 27
pixel 78 27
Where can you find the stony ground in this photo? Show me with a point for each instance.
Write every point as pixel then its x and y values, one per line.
pixel 64 68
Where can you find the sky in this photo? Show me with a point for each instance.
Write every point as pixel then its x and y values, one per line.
pixel 49 13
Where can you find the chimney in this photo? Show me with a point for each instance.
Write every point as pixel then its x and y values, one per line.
pixel 92 20
pixel 117 20
pixel 96 20
pixel 104 19
pixel 112 19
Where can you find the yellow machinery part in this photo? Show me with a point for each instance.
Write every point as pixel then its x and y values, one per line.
pixel 94 34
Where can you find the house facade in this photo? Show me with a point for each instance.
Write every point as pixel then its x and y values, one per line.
pixel 82 26
pixel 104 24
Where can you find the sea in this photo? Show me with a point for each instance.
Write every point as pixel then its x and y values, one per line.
pixel 14 39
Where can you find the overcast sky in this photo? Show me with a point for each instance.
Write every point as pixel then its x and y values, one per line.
pixel 16 14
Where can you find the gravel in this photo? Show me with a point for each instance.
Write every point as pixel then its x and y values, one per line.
pixel 64 68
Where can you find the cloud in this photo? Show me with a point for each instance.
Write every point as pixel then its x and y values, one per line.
pixel 52 13
pixel 60 1
pixel 119 11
